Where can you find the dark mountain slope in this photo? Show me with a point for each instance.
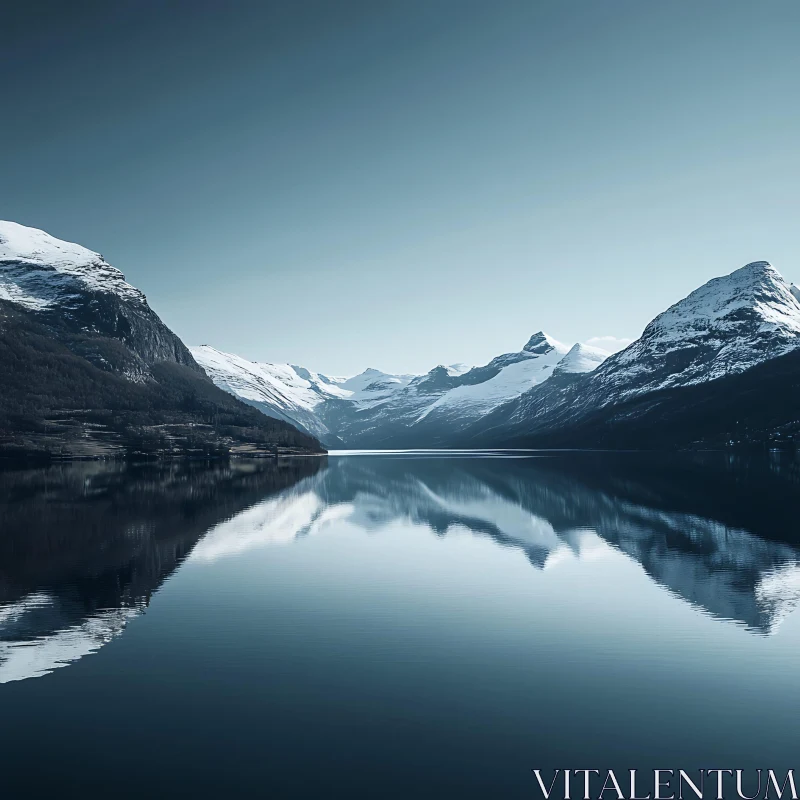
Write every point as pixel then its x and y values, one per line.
pixel 57 402
pixel 85 546
pixel 88 368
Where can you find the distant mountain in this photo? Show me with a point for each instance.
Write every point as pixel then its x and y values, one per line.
pixel 89 369
pixel 433 409
pixel 580 359
pixel 292 393
pixel 376 408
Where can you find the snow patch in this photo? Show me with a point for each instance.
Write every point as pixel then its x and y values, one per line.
pixel 38 271
pixel 529 368
pixel 582 358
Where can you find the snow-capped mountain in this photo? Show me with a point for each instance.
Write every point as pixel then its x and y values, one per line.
pixel 278 390
pixel 434 408
pixel 376 407
pixel 60 301
pixel 38 271
pixel 505 377
pixel 88 368
pixel 727 327
pixel 372 386
pixel 63 281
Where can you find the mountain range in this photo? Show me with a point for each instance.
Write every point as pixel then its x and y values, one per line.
pixel 376 408
pixel 89 370
pixel 717 368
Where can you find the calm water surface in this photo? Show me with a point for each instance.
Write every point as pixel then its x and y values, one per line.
pixel 395 625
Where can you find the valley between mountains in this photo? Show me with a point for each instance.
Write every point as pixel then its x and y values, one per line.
pixel 718 368
pixel 89 370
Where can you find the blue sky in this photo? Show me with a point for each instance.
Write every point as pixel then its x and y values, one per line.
pixel 399 184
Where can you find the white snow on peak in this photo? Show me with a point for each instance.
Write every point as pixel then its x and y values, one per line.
pixel 22 243
pixel 726 326
pixel 458 369
pixel 373 384
pixel 315 401
pixel 582 358
pixel 38 271
pixel 758 286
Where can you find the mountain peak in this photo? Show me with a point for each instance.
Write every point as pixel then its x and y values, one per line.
pixel 21 243
pixel 38 271
pixel 541 343
pixel 581 358
pixel 755 271
pixel 727 325
pixel 758 266
pixel 756 291
pixel 458 369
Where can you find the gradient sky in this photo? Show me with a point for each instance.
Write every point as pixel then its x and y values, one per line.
pixel 399 184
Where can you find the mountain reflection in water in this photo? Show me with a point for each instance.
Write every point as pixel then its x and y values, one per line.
pixel 84 547
pixel 717 531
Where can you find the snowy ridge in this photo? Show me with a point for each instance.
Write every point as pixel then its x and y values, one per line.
pixel 458 369
pixel 518 373
pixel 295 386
pixel 38 271
pixel 726 327
pixel 278 390
pixel 269 383
pixel 293 393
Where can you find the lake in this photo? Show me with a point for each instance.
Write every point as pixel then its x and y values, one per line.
pixel 420 624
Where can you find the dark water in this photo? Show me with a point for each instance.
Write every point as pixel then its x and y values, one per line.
pixel 395 626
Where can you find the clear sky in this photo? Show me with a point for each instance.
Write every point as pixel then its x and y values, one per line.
pixel 400 184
